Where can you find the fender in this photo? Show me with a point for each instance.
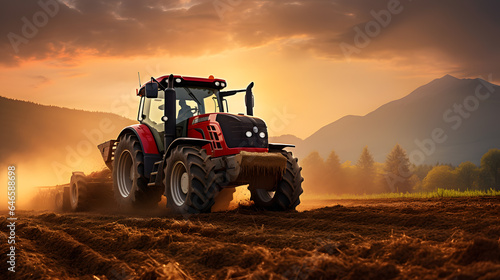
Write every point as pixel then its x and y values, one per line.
pixel 186 140
pixel 148 145
pixel 144 135
pixel 279 146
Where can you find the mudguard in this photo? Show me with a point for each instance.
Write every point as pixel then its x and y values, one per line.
pixel 279 146
pixel 148 144
pixel 144 135
pixel 187 141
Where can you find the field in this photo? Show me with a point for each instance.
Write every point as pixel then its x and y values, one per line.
pixel 399 238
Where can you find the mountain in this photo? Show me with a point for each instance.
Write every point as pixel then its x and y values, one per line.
pixel 47 143
pixel 448 120
pixel 286 139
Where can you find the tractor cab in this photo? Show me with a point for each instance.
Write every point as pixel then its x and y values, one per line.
pixel 193 97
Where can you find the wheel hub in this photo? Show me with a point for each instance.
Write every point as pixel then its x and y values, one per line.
pixel 185 183
pixel 179 183
pixel 125 173
pixel 265 196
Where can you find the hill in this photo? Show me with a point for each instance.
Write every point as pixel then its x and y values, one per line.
pixel 449 120
pixel 286 139
pixel 47 143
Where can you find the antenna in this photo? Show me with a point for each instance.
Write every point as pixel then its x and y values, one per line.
pixel 139 75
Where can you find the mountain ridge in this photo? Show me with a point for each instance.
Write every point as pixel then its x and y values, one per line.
pixel 415 116
pixel 49 142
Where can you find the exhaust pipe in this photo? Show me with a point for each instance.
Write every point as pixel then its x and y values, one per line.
pixel 169 112
pixel 249 99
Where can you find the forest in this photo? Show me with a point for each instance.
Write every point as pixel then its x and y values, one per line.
pixel 396 174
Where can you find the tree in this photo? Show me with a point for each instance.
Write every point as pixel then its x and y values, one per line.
pixel 314 174
pixel 441 176
pixel 366 161
pixel 397 170
pixel 365 169
pixel 466 174
pixel 484 180
pixel 335 179
pixel 491 163
pixel 421 170
pixel 333 161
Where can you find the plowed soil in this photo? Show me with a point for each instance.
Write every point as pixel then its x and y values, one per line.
pixel 448 238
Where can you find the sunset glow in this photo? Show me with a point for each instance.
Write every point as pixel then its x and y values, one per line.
pixel 86 55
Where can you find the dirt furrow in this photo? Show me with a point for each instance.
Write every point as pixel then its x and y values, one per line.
pixel 389 239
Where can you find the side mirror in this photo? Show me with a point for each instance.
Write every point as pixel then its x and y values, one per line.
pixel 151 90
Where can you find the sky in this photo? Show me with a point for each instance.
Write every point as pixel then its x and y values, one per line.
pixel 312 61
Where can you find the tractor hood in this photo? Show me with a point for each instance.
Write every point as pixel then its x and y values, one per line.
pixel 243 131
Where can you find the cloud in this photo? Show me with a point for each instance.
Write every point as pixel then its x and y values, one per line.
pixel 39 81
pixel 460 36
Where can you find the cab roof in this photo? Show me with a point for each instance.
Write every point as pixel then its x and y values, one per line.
pixel 184 81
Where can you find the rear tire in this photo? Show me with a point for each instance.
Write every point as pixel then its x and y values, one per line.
pixel 59 201
pixel 66 206
pixel 78 192
pixel 190 180
pixel 288 190
pixel 130 185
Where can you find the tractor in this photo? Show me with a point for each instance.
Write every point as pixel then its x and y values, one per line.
pixel 188 147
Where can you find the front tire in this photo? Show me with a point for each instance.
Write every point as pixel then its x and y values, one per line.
pixel 288 190
pixel 59 201
pixel 130 185
pixel 190 180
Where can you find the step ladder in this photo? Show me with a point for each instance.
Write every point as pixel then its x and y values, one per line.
pixel 154 174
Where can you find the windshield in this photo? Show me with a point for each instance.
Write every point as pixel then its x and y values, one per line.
pixel 190 102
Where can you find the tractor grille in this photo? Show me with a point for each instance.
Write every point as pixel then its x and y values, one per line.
pixel 234 129
pixel 216 142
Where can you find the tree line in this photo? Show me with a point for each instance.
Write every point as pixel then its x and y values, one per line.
pixel 396 174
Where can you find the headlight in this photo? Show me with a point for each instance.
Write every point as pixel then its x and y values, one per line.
pixel 223 84
pixel 248 134
pixel 178 80
pixel 217 84
pixel 262 135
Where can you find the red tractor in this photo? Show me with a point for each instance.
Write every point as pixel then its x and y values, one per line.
pixel 188 148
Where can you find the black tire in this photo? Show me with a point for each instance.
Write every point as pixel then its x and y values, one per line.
pixel 288 190
pixel 102 193
pixel 78 192
pixel 190 180
pixel 66 206
pixel 59 201
pixel 130 185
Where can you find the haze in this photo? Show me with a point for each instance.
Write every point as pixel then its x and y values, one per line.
pixel 309 61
